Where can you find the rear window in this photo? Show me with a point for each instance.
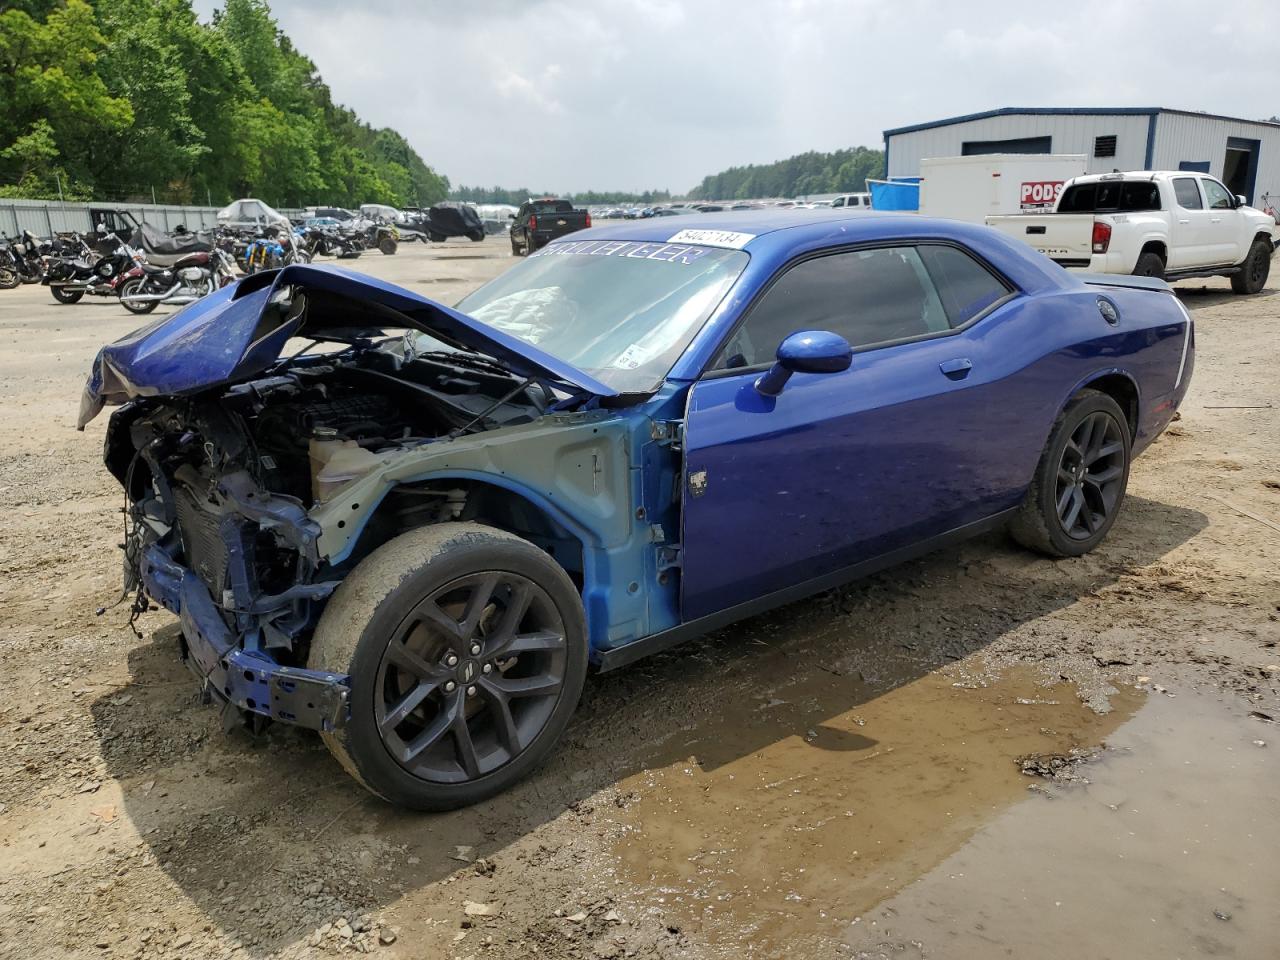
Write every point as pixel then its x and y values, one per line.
pixel 552 206
pixel 1110 196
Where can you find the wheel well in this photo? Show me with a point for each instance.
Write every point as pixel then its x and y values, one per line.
pixel 1156 247
pixel 408 506
pixel 1122 390
pixel 1265 238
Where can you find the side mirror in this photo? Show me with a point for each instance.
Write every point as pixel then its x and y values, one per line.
pixel 1241 201
pixel 809 351
pixel 511 216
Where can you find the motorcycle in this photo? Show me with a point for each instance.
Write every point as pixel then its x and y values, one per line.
pixel 186 280
pixel 330 243
pixel 10 275
pixel 23 257
pixel 89 271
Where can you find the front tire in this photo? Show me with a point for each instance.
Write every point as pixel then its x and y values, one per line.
pixel 131 288
pixel 1255 269
pixel 467 652
pixel 1080 482
pixel 387 245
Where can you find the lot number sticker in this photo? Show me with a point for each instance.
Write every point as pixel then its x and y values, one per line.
pixel 714 238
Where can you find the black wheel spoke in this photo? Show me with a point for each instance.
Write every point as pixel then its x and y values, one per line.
pixel 1065 499
pixel 504 723
pixel 503 634
pixel 1073 509
pixel 481 596
pixel 429 612
pixel 467 756
pixel 536 686
pixel 1103 477
pixel 1091 520
pixel 543 641
pixel 405 659
pixel 408 703
pixel 431 734
pixel 1104 450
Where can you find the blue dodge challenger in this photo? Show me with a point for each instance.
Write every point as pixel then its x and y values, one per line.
pixel 413 528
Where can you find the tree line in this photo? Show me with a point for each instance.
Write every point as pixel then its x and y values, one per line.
pixel 519 195
pixel 805 174
pixel 125 99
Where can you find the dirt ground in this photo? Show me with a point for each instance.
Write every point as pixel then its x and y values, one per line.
pixel 979 753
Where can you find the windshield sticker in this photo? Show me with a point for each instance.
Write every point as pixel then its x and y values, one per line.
pixel 632 249
pixel 714 238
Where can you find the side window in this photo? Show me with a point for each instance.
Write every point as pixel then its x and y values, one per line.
pixel 866 296
pixel 966 287
pixel 838 202
pixel 1217 195
pixel 1187 193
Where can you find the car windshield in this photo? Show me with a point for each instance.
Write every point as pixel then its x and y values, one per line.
pixel 622 311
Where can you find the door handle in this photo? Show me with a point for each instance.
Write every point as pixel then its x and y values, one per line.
pixel 1184 221
pixel 1215 219
pixel 956 369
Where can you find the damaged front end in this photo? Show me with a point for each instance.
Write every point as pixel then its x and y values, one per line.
pixel 234 561
pixel 225 451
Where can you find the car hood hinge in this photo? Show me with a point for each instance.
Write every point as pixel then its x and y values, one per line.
pixel 669 433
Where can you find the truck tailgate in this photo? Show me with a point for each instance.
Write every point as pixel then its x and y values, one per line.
pixel 1065 238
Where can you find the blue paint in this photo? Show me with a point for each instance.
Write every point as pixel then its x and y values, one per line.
pixel 1151 142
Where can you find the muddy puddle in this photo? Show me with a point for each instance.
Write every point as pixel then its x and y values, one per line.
pixel 906 827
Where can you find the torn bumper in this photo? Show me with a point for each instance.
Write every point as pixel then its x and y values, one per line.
pixel 251 680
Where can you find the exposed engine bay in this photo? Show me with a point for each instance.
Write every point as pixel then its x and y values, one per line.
pixel 222 482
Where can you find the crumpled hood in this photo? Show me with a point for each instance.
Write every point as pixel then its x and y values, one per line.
pixel 237 332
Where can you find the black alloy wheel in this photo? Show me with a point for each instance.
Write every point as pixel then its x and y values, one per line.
pixel 467 652
pixel 1090 478
pixel 1079 484
pixel 471 677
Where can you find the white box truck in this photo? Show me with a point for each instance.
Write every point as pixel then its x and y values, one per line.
pixel 995 184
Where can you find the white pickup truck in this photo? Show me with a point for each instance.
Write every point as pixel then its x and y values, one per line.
pixel 1154 224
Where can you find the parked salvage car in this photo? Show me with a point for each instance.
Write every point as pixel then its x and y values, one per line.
pixel 538 222
pixel 416 540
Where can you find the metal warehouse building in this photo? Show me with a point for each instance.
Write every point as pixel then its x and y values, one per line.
pixel 1243 154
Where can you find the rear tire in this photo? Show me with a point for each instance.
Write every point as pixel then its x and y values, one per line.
pixel 1255 269
pixel 134 286
pixel 1150 264
pixel 431 734
pixel 1080 481
pixel 64 295
pixel 387 245
pixel 8 278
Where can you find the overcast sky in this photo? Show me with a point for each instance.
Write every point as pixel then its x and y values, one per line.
pixel 633 94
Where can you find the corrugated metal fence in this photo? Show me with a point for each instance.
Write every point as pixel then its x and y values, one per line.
pixel 45 218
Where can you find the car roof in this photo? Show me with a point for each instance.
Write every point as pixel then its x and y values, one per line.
pixel 767 226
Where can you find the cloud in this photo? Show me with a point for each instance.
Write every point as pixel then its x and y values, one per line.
pixel 631 94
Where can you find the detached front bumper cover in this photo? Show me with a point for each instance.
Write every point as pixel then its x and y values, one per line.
pixel 251 680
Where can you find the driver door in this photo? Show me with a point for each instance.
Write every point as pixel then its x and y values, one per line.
pixel 845 467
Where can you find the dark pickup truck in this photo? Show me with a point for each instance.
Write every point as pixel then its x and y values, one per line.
pixel 538 222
